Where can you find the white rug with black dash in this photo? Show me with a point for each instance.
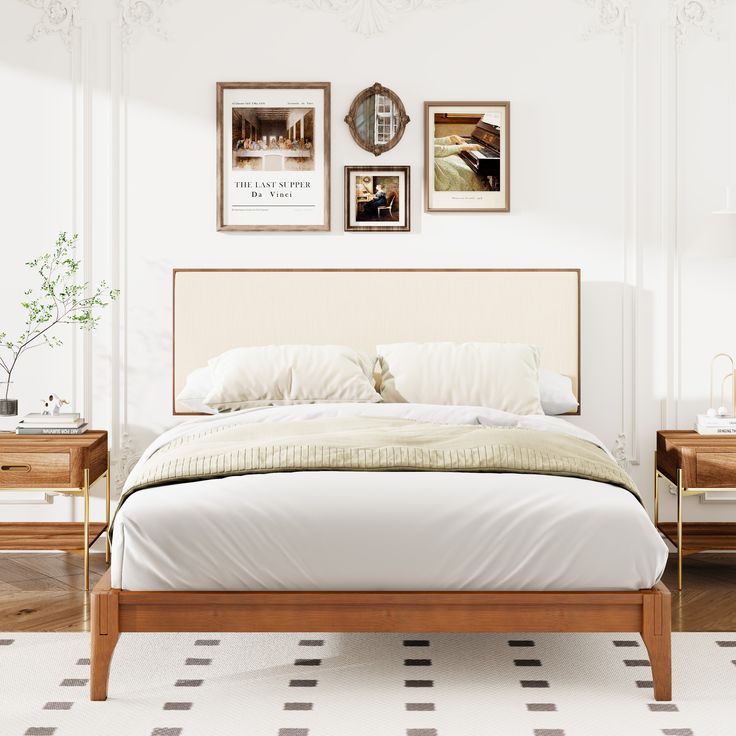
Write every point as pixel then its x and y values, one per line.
pixel 366 685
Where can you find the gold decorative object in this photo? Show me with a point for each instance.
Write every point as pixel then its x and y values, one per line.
pixel 722 411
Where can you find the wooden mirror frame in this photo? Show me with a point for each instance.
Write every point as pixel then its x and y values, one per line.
pixel 377 89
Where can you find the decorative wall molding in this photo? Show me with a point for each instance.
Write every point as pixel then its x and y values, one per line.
pixel 121 442
pixel 696 15
pixel 57 16
pixel 369 17
pixel 685 17
pixel 609 16
pixel 627 450
pixel 138 16
pixel 80 135
pixel 669 136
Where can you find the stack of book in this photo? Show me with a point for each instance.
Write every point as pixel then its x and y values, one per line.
pixel 38 423
pixel 715 425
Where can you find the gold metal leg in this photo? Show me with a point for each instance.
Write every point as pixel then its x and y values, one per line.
pixel 107 510
pixel 86 528
pixel 679 528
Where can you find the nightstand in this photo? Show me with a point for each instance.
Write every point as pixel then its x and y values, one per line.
pixel 66 465
pixel 695 464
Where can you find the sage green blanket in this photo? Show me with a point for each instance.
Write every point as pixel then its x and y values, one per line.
pixel 372 444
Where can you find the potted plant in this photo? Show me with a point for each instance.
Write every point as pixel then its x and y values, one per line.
pixel 58 300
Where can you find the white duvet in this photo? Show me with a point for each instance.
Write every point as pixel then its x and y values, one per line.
pixel 385 531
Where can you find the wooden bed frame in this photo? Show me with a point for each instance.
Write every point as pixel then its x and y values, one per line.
pixel 291 306
pixel 117 611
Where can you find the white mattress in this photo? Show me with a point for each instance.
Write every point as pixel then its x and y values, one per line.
pixel 386 531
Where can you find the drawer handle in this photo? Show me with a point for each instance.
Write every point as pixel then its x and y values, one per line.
pixel 15 468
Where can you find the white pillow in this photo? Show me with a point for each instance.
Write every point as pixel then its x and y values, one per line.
pixel 198 385
pixel 555 392
pixel 501 376
pixel 290 374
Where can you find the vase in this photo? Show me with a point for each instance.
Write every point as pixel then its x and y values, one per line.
pixel 8 407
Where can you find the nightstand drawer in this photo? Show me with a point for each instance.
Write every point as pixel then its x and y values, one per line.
pixel 35 469
pixel 715 470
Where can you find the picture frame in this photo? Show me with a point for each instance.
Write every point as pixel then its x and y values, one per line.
pixel 377 199
pixel 467 161
pixel 273 156
pixel 377 119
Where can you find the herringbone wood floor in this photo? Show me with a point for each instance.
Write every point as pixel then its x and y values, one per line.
pixel 44 592
pixel 708 598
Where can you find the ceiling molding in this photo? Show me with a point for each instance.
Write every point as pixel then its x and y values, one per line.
pixel 700 15
pixel 141 16
pixel 369 17
pixel 57 16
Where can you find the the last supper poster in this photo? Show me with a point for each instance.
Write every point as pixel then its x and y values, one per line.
pixel 273 149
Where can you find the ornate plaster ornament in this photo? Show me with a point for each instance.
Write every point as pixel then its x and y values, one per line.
pixel 57 16
pixel 619 451
pixel 369 17
pixel 141 15
pixel 696 14
pixel 609 16
pixel 126 461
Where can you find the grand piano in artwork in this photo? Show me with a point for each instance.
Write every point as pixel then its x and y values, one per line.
pixel 486 161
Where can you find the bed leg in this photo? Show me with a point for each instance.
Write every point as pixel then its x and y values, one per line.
pixel 657 636
pixel 104 634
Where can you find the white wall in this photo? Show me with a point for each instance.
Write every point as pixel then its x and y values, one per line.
pixel 617 142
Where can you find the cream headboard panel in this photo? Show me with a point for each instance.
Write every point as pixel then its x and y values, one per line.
pixel 215 310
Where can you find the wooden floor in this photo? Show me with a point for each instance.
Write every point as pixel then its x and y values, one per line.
pixel 708 598
pixel 44 592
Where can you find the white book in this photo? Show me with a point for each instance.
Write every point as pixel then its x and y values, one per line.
pixel 38 418
pixel 24 423
pixel 700 429
pixel 716 421
pixel 37 430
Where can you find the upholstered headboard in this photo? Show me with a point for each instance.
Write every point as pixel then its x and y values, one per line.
pixel 218 309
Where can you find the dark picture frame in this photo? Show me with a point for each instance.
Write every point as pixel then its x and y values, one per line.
pixel 377 199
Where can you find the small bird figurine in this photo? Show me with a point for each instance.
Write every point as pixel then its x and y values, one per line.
pixel 52 405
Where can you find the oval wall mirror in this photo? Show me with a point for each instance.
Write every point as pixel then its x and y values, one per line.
pixel 377 119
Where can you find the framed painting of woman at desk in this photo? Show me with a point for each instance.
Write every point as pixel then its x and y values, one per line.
pixel 273 156
pixel 377 199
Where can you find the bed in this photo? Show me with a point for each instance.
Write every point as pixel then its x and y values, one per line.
pixel 287 543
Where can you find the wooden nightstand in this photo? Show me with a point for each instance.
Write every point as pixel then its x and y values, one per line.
pixel 695 464
pixel 60 464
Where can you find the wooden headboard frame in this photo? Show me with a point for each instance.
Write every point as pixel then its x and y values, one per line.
pixel 218 309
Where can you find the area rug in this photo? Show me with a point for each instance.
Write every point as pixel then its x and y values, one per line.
pixel 366 685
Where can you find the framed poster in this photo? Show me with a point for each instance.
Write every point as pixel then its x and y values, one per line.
pixel 377 199
pixel 273 156
pixel 466 156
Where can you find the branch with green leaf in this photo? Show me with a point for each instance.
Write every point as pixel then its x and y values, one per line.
pixel 59 300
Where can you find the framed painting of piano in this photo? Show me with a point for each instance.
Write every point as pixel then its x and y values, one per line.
pixel 466 156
